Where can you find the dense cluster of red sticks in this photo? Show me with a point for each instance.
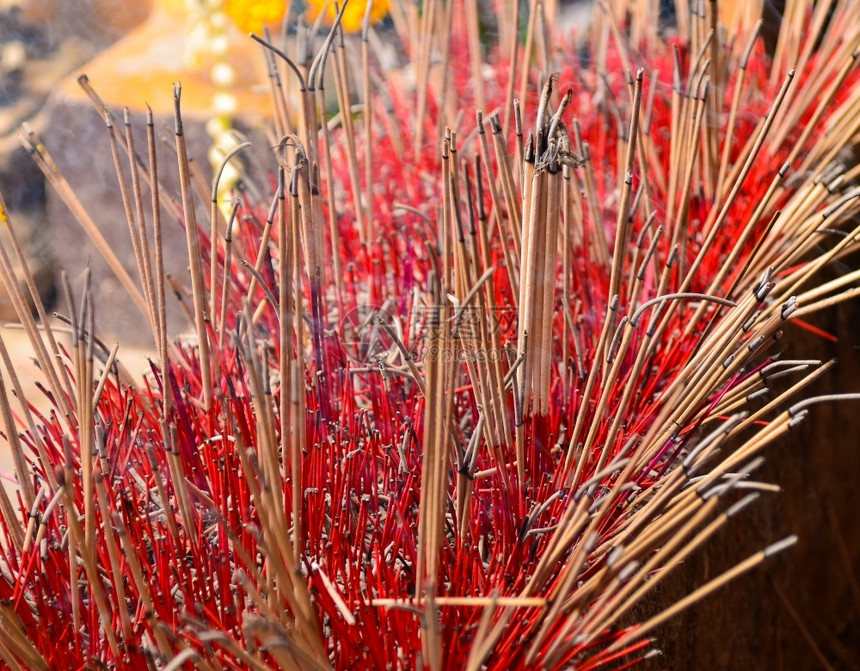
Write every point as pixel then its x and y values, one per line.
pixel 188 576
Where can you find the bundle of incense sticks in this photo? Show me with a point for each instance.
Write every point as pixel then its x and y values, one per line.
pixel 495 358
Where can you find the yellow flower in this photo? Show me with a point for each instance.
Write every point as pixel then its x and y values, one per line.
pixel 353 17
pixel 252 15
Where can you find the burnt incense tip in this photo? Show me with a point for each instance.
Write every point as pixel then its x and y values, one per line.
pixel 796 418
pixel 735 508
pixel 756 342
pixel 529 149
pixel 628 571
pixel 615 556
pixel 495 123
pixel 177 116
pixel 779 546
pixel 789 307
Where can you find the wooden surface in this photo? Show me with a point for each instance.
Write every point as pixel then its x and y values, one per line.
pixel 749 624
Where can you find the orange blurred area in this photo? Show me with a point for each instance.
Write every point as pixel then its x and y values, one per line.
pixel 353 15
pixel 146 47
pixel 251 16
pixel 142 67
pixel 102 16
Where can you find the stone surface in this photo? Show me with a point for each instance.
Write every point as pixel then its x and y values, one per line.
pixel 99 21
pixel 77 140
pixel 141 68
pixel 36 51
pixel 137 71
pixel 23 193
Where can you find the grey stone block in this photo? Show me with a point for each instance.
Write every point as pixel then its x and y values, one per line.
pixel 75 136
